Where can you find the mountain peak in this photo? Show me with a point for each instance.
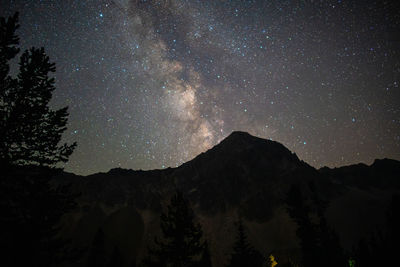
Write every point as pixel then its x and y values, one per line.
pixel 240 141
pixel 239 134
pixel 242 150
pixel 242 135
pixel 239 138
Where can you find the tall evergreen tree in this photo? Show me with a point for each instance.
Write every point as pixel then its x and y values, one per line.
pixel 97 253
pixel 243 253
pixel 8 50
pixel 392 235
pixel 306 232
pixel 331 251
pixel 31 212
pixel 181 243
pixel 205 260
pixel 30 135
pixel 115 259
pixel 381 247
pixel 319 243
pixel 30 131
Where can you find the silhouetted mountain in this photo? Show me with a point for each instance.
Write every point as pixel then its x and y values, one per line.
pixel 243 176
pixel 383 173
pixel 244 171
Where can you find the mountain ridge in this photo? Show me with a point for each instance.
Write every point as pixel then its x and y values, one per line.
pixel 249 169
pixel 234 136
pixel 241 177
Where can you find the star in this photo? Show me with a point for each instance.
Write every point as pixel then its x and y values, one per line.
pixel 152 86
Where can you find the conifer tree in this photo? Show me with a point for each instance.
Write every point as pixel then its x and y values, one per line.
pixel 30 130
pixel 205 260
pixel 115 259
pixel 319 243
pixel 181 243
pixel 30 135
pixel 381 247
pixel 331 251
pixel 243 253
pixel 306 232
pixel 97 254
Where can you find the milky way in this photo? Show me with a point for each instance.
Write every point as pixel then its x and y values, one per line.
pixel 151 84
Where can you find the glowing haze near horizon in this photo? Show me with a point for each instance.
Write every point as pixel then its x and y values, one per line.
pixel 151 84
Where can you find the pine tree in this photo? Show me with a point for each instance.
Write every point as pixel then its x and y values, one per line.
pixel 115 259
pixel 205 260
pixel 392 236
pixel 382 246
pixel 181 243
pixel 319 243
pixel 97 253
pixel 306 232
pixel 30 134
pixel 243 253
pixel 30 131
pixel 331 251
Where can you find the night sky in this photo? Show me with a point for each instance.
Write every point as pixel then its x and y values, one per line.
pixel 151 84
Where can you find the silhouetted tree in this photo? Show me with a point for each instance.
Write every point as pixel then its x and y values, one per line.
pixel 331 251
pixel 306 232
pixel 382 247
pixel 319 243
pixel 30 131
pixel 181 243
pixel 392 235
pixel 30 135
pixel 8 50
pixel 205 260
pixel 31 211
pixel 97 253
pixel 243 253
pixel 363 254
pixel 115 259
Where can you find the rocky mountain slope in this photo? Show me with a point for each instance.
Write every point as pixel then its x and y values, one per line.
pixel 243 176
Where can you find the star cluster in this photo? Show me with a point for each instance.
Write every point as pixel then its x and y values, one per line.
pixel 151 84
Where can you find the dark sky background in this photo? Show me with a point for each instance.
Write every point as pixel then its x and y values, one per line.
pixel 151 84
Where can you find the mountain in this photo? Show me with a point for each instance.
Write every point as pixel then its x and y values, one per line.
pixel 383 174
pixel 242 171
pixel 243 176
pixel 242 165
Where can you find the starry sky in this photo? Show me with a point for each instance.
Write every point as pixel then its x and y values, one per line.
pixel 151 84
